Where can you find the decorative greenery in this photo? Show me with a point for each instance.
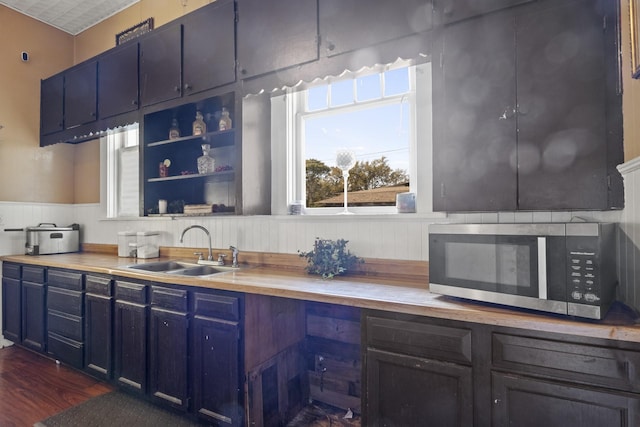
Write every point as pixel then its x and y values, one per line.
pixel 330 258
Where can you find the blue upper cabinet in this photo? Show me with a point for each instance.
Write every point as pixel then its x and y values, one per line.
pixel 52 104
pixel 347 25
pixel 80 95
pixel 160 65
pixel 208 48
pixel 276 34
pixel 449 11
pixel 118 81
pixel 523 118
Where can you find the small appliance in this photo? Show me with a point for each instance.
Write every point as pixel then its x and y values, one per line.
pixel 564 268
pixel 48 238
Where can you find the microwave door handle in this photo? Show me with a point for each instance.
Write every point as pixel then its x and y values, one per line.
pixel 542 267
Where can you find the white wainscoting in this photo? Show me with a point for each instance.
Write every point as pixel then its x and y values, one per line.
pixel 403 236
pixel 629 236
pixel 390 237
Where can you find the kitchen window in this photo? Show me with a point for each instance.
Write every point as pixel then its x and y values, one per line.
pixel 121 172
pixel 372 113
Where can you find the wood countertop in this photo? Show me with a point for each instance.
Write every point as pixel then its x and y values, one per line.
pixel 401 295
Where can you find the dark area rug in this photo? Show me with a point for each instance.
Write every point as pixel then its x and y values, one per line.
pixel 116 409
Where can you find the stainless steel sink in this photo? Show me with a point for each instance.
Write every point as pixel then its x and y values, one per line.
pixel 179 268
pixel 202 270
pixel 161 266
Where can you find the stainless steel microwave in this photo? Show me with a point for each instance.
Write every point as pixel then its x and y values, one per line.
pixel 564 268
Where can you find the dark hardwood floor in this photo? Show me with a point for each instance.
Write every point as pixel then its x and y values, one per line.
pixel 33 387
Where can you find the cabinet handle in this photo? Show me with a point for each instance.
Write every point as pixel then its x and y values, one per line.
pixel 176 88
pixel 522 110
pixel 187 86
pixel 134 102
pixel 508 113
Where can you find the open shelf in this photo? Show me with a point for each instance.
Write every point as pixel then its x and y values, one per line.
pixel 219 176
pixel 184 184
pixel 182 215
pixel 207 138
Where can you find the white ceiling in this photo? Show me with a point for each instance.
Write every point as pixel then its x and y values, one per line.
pixel 72 16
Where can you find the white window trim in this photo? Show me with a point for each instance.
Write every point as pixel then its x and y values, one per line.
pixel 281 189
pixel 110 169
pixel 295 144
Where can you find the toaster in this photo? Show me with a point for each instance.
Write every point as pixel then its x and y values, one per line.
pixel 47 238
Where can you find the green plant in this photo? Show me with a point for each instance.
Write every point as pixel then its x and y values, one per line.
pixel 330 258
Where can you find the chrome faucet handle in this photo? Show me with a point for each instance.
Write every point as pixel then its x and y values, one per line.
pixel 221 258
pixel 200 257
pixel 234 254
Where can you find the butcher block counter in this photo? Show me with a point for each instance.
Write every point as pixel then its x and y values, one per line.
pixel 403 295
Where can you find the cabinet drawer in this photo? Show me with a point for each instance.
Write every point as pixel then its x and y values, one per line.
pixel 419 339
pixel 595 365
pixel 65 301
pixel 172 299
pixel 98 285
pixel 66 350
pixel 65 279
pixel 33 274
pixel 133 292
pixel 66 325
pixel 10 270
pixel 220 306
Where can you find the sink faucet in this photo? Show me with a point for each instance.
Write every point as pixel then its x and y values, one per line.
pixel 210 256
pixel 234 254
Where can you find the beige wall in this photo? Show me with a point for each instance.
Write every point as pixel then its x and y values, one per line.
pixel 87 172
pixel 27 172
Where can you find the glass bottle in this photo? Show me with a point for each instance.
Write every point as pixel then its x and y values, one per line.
pixel 206 163
pixel 199 126
pixel 225 120
pixel 174 130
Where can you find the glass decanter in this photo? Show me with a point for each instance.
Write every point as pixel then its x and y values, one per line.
pixel 206 163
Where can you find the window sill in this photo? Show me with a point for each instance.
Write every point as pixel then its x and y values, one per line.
pixel 304 217
pixel 360 216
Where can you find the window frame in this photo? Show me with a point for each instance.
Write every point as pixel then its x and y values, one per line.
pixel 296 114
pixel 112 146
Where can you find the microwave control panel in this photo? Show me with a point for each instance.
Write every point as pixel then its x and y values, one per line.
pixel 583 277
pixel 591 269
